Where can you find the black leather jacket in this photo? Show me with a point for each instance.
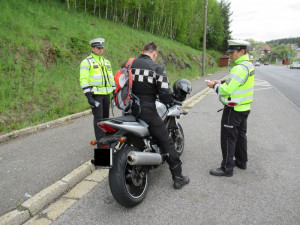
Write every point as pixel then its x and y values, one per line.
pixel 149 81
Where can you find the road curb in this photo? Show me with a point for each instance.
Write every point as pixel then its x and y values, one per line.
pixel 42 199
pixel 15 217
pixel 34 129
pixel 190 102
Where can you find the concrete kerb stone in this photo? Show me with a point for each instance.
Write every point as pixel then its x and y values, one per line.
pixel 6 137
pixel 49 194
pixel 66 201
pixel 42 199
pixel 77 175
pixel 31 130
pixel 92 167
pixel 15 217
pixel 78 115
pixel 27 130
pixel 45 197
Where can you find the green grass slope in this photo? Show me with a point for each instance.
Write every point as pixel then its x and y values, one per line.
pixel 41 47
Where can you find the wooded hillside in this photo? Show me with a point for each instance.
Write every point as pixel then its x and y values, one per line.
pixel 179 20
pixel 42 45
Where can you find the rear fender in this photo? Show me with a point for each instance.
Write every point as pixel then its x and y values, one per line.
pixel 111 139
pixel 132 127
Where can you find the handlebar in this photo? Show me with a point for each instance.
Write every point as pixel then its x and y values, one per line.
pixel 177 102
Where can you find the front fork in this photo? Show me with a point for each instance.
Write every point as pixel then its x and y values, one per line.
pixel 172 125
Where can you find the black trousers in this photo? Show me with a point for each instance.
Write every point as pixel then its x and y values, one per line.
pixel 233 138
pixel 100 112
pixel 160 133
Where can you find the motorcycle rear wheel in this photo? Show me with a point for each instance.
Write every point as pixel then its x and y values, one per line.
pixel 128 184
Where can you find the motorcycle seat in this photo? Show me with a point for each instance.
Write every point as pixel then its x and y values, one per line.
pixel 128 118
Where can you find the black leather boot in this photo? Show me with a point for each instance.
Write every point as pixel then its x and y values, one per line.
pixel 179 180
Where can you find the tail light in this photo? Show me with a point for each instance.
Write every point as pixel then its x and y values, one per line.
pixel 232 104
pixel 108 129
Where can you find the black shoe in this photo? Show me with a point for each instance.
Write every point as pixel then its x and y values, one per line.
pixel 179 180
pixel 220 172
pixel 239 165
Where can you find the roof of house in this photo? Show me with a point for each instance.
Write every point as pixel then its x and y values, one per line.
pixel 265 48
pixel 224 57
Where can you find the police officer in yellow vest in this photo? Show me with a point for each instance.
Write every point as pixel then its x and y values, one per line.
pixel 97 82
pixel 236 93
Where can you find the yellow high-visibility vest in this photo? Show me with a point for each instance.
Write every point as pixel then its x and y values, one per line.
pixel 237 91
pixel 96 75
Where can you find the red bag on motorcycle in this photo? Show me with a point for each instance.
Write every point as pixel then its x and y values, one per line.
pixel 123 97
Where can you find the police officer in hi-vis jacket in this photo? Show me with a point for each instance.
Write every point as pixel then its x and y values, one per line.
pixel 97 82
pixel 236 93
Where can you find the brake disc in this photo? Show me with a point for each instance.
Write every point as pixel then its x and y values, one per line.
pixel 137 177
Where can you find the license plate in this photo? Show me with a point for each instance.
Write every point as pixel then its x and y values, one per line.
pixel 103 157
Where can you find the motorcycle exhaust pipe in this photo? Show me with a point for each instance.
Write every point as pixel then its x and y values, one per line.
pixel 144 158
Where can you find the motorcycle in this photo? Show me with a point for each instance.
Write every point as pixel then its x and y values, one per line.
pixel 129 151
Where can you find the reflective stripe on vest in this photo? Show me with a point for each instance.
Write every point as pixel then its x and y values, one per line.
pixel 244 93
pixel 101 78
pixel 104 89
pixel 237 100
pixel 85 85
pixel 249 68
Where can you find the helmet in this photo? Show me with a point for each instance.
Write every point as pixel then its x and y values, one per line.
pixel 181 88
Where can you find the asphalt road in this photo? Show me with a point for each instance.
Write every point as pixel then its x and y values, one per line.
pixel 266 193
pixel 30 164
pixel 285 80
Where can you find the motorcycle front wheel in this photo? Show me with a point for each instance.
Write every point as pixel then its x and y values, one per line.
pixel 128 184
pixel 178 139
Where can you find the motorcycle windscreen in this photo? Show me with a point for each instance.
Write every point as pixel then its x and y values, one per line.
pixel 103 157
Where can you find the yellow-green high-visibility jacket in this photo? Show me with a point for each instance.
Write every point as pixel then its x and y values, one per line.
pixel 96 75
pixel 239 85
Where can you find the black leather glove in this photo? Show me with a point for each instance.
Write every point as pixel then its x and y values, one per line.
pixel 91 100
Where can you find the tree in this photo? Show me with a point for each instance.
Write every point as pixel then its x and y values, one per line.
pixel 180 20
pixel 225 13
pixel 281 52
pixel 215 28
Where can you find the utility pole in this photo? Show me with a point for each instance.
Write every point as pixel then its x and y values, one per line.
pixel 204 38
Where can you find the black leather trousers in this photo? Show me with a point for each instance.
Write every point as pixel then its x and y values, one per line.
pixel 100 112
pixel 233 138
pixel 160 133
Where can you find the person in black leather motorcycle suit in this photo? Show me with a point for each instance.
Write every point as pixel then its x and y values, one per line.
pixel 149 81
